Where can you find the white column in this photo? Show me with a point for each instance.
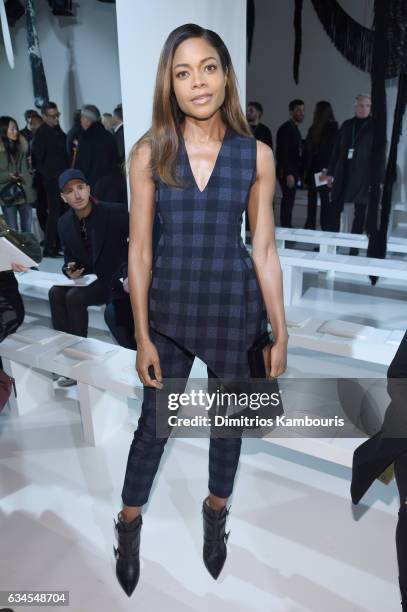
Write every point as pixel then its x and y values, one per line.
pixel 142 29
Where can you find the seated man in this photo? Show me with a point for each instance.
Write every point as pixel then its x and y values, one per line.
pixel 118 313
pixel 94 236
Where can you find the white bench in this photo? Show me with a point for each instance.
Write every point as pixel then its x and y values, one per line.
pixel 328 242
pixel 34 286
pixel 342 338
pixel 295 262
pixel 105 373
pixel 104 385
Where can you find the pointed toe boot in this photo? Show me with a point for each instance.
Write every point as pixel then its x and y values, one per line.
pixel 215 538
pixel 128 553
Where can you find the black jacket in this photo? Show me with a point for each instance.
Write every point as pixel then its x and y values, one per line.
pixel 372 457
pixel 49 151
pixel 315 161
pixel 97 153
pixel 351 177
pixel 119 138
pixel 288 153
pixel 109 240
pixel 262 132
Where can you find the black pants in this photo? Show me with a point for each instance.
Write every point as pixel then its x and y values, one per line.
pixel 147 446
pixel 69 306
pixel 11 305
pixel 119 319
pixel 311 222
pixel 55 209
pixel 41 202
pixel 333 218
pixel 287 203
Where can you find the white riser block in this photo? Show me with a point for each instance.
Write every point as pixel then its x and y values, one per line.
pixel 34 387
pixel 102 413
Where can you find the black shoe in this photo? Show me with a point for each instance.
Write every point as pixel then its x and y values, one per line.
pixel 214 548
pixel 127 553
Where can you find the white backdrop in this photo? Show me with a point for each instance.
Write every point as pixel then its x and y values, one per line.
pixel 142 29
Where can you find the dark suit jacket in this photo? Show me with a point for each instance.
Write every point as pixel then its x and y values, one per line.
pixel 288 153
pixel 110 230
pixel 97 153
pixel 119 138
pixel 262 132
pixel 372 457
pixel 351 181
pixel 49 151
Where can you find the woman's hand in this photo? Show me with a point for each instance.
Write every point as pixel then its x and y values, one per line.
pixel 277 364
pixel 147 356
pixel 18 267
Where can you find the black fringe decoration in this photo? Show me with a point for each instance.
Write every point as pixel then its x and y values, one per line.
pixel 353 40
pixel 37 67
pixel 250 21
pixel 298 38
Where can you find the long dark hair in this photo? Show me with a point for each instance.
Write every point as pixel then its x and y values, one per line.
pixel 323 114
pixel 164 134
pixel 4 123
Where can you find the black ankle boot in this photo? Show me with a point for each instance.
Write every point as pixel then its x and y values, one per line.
pixel 127 553
pixel 214 548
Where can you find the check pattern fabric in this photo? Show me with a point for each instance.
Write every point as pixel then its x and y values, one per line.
pixel 204 292
pixel 146 448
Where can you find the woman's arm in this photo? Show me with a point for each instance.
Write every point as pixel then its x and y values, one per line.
pixel 142 210
pixel 265 256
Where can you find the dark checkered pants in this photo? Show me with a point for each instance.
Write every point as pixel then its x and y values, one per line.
pixel 146 450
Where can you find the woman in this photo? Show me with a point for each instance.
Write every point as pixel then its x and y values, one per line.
pixel 14 167
pixel 318 149
pixel 202 166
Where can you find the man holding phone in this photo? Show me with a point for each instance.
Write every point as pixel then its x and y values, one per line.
pixel 94 236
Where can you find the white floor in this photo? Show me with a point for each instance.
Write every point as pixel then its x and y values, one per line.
pixel 296 542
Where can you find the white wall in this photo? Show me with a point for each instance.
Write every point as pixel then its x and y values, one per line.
pixel 324 72
pixel 80 58
pixel 142 29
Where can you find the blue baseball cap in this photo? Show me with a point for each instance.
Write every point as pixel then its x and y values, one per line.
pixel 70 175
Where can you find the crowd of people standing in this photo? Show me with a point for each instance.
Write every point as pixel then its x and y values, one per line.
pixel 32 159
pixel 332 163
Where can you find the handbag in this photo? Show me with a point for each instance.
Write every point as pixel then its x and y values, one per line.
pixel 255 356
pixel 12 192
pixel 7 384
pixel 24 241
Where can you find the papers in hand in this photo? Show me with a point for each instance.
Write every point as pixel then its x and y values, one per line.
pixel 10 254
pixel 319 181
pixel 83 281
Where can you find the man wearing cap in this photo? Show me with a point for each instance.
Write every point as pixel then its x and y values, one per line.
pixel 94 236
pixel 97 151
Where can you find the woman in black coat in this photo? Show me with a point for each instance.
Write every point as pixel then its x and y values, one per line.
pixel 318 149
pixel 389 446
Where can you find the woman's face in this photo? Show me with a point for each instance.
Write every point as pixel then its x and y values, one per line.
pixel 198 78
pixel 12 131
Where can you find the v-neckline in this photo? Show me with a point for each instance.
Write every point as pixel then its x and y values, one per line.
pixel 214 166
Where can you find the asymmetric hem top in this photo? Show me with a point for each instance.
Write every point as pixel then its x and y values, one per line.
pixel 204 292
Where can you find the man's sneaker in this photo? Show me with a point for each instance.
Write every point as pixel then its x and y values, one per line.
pixel 64 381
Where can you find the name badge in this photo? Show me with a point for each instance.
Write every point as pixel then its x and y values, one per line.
pixel 350 153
